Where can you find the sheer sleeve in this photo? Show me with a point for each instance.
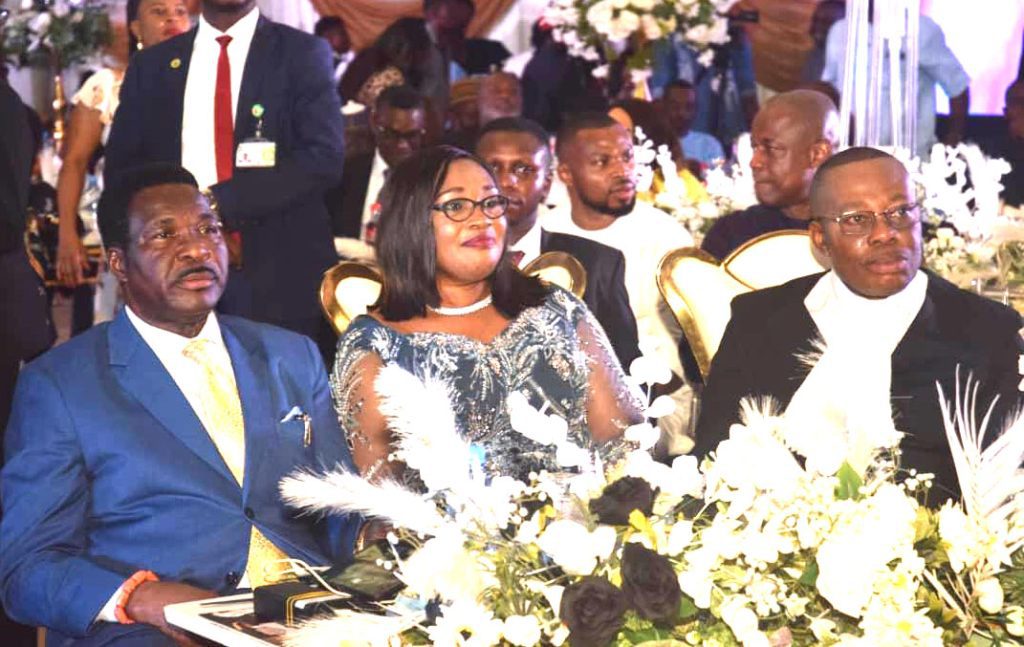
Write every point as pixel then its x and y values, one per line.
pixel 612 403
pixel 100 92
pixel 358 408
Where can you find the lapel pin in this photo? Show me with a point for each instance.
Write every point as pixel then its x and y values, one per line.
pixel 175 63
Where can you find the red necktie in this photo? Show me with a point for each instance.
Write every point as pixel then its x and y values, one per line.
pixel 517 257
pixel 223 120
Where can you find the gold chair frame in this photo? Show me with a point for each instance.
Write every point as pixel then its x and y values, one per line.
pixel 682 309
pixel 563 261
pixel 333 310
pixel 341 318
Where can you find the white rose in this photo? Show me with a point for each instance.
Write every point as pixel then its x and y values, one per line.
pixel 1015 621
pixel 943 233
pixel 990 595
pixel 679 537
pixel 600 16
pixel 625 25
pixel 522 631
pixel 652 31
pixel 643 5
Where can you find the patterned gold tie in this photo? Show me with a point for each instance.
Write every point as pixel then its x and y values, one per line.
pixel 223 412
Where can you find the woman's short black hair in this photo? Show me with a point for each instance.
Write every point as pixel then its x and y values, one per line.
pixel 406 247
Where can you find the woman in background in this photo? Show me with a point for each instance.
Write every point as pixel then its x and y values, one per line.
pixel 148 23
pixel 453 306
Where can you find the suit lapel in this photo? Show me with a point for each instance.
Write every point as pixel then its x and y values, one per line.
pixel 177 66
pixel 254 391
pixel 142 375
pixel 262 52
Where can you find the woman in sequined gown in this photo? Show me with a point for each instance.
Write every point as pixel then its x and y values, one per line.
pixel 454 306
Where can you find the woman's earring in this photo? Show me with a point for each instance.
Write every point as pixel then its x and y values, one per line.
pixel 138 45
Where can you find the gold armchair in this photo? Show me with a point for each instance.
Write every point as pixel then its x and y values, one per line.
pixel 349 288
pixel 699 290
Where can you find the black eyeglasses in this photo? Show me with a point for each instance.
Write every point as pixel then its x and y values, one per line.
pixel 460 209
pixel 860 223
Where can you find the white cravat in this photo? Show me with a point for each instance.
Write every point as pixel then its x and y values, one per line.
pixel 845 400
pixel 197 128
pixel 529 245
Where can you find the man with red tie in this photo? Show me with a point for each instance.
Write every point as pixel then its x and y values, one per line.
pixel 249 107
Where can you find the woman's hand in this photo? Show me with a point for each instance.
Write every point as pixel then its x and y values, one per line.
pixel 72 259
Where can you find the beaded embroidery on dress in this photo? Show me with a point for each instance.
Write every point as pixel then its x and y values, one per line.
pixel 548 353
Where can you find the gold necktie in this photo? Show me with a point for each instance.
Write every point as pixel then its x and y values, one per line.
pixel 225 425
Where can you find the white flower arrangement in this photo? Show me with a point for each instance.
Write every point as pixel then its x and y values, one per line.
pixel 752 548
pixel 592 29
pixel 728 189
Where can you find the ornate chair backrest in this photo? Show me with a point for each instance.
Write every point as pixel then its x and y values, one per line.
pixel 349 288
pixel 699 289
pixel 561 269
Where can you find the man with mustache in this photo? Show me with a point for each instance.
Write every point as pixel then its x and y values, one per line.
pixel 595 162
pixel 518 153
pixel 891 330
pixel 143 456
pixel 792 135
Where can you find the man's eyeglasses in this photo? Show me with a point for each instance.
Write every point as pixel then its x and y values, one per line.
pixel 460 209
pixel 860 223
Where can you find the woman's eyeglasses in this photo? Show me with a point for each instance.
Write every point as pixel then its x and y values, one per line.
pixel 460 209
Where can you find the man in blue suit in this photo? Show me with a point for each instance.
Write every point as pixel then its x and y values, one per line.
pixel 248 106
pixel 143 456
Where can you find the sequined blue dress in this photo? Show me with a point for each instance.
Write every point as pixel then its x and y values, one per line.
pixel 555 353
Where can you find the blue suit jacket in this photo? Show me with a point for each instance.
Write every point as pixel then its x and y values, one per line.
pixel 280 211
pixel 110 471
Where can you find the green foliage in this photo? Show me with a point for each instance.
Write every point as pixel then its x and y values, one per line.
pixel 57 38
pixel 850 483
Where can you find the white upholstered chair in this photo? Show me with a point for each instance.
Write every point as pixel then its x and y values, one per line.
pixel 699 289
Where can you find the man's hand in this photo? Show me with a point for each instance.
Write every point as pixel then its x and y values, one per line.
pixel 147 603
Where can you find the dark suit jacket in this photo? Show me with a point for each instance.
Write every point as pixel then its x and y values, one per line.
pixel 110 471
pixel 16 152
pixel 280 211
pixel 954 328
pixel 345 201
pixel 482 54
pixel 606 289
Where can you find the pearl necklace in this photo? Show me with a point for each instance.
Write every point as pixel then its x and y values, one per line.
pixel 464 310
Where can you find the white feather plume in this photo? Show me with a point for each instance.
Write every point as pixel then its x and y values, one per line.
pixel 991 479
pixel 341 491
pixel 425 434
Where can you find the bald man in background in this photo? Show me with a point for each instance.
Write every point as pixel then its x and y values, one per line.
pixel 793 134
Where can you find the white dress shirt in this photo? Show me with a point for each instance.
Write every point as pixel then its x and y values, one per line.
pixel 373 187
pixel 644 236
pixel 529 245
pixel 198 154
pixel 187 375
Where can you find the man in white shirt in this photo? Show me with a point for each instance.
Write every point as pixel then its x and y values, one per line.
pixel 595 162
pixel 143 456
pixel 398 123
pixel 517 151
pixel 250 108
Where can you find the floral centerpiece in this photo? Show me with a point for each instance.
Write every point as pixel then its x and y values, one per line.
pixel 784 536
pixel 602 30
pixel 977 242
pixel 728 188
pixel 61 33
